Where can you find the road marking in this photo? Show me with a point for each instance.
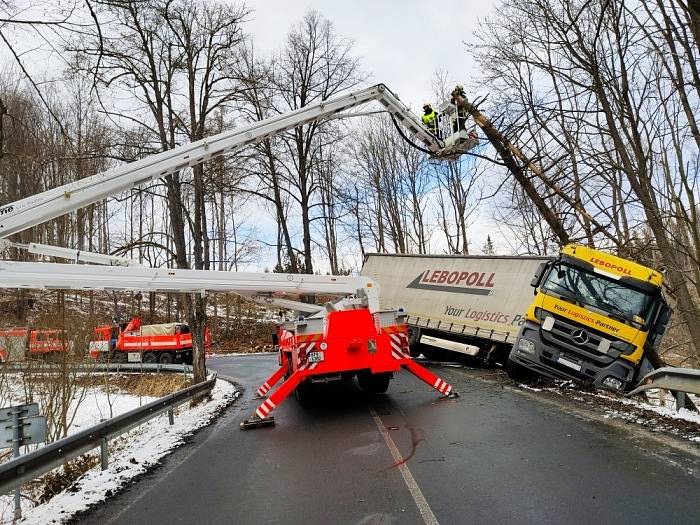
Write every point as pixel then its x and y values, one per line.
pixel 416 493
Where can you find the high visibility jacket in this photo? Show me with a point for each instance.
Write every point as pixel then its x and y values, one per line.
pixel 430 120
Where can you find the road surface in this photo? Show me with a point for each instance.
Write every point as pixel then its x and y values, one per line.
pixel 495 455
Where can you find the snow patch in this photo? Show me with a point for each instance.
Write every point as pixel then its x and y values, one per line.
pixel 129 456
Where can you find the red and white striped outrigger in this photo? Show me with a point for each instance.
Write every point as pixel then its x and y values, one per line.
pixel 344 342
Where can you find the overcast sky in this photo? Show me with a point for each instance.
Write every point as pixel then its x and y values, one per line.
pixel 400 43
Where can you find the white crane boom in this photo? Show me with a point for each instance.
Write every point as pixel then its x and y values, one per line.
pixel 87 277
pixel 121 273
pixel 28 212
pixel 72 254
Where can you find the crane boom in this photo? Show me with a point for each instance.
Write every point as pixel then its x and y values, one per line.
pixel 88 277
pixel 28 212
pixel 123 274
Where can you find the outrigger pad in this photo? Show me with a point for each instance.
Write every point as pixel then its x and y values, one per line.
pixel 256 422
pixel 451 395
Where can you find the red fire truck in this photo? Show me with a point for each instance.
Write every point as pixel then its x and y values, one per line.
pixel 19 343
pixel 165 343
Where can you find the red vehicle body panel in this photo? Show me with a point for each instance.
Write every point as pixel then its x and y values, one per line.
pixel 344 342
pixel 32 342
pixel 131 339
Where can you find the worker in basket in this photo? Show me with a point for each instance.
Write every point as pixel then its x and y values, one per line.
pixel 430 119
pixel 460 121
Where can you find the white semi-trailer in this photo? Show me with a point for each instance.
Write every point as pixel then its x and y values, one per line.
pixel 471 305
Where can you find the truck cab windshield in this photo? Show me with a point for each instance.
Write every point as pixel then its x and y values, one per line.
pixel 614 297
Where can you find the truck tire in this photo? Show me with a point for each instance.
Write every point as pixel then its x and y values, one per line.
pixel 120 357
pixel 304 392
pixel 166 358
pixel 375 383
pixel 432 353
pixel 150 357
pixel 518 372
pixel 414 346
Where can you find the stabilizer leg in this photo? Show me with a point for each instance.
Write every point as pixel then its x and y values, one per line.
pixel 431 379
pixel 272 380
pixel 262 417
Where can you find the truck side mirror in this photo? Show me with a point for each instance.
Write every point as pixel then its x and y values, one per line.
pixel 663 319
pixel 538 275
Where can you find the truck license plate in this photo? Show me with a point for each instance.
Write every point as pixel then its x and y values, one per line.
pixel 570 364
pixel 315 357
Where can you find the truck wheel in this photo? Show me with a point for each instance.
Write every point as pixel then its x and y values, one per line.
pixel 518 372
pixel 150 357
pixel 303 392
pixel 414 348
pixel 120 357
pixel 375 383
pixel 166 358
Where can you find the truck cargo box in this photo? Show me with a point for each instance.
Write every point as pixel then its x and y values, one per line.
pixel 159 329
pixel 468 304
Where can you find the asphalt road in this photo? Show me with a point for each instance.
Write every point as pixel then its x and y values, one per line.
pixel 495 455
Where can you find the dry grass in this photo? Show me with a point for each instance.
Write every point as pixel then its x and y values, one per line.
pixel 58 480
pixel 151 385
pixel 143 385
pixel 247 337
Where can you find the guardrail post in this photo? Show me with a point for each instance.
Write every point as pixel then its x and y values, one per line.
pixel 680 399
pixel 171 416
pixel 104 453
pixel 16 439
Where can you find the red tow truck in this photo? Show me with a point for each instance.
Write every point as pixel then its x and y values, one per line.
pixel 164 343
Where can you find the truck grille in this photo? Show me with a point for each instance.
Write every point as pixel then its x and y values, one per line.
pixel 579 339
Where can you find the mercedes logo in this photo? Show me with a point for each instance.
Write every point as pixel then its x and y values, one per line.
pixel 580 336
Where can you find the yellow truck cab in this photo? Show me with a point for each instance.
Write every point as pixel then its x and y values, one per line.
pixel 595 318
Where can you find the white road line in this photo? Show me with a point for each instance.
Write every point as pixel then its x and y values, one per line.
pixel 416 493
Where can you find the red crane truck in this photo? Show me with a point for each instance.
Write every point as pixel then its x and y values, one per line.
pixel 165 343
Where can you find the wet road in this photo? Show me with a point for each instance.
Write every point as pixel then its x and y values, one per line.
pixel 495 455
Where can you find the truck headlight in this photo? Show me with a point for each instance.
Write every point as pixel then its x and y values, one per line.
pixel 612 382
pixel 526 346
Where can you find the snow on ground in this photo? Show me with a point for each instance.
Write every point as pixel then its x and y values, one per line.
pixel 88 407
pixel 130 455
pixel 656 410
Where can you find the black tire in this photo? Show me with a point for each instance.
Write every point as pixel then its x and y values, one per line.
pixel 150 357
pixel 414 346
pixel 120 357
pixel 518 372
pixel 304 392
pixel 166 358
pixel 375 383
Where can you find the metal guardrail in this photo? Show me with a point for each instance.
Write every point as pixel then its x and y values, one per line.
pixel 34 464
pixel 678 380
pixel 97 367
